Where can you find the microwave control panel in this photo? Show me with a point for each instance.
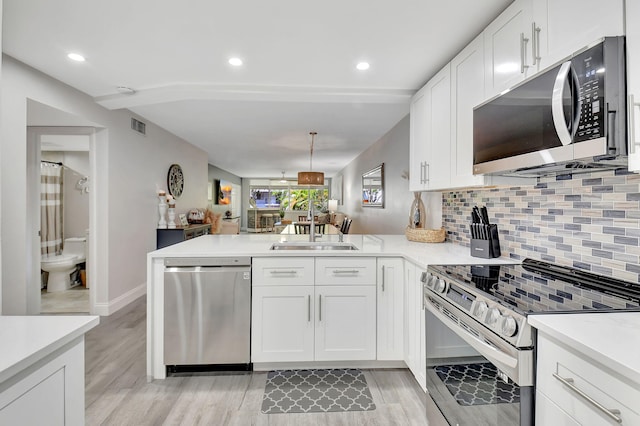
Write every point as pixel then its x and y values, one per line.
pixel 590 72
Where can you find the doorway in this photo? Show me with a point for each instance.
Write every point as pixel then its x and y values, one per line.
pixel 64 138
pixel 64 190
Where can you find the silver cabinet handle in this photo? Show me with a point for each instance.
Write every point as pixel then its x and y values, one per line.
pixel 426 172
pixel 535 43
pixel 319 308
pixel 568 382
pixel 423 166
pixel 383 278
pixel 284 272
pixel 309 308
pixel 345 271
pixel 523 53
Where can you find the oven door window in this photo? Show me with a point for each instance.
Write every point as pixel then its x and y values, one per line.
pixel 467 388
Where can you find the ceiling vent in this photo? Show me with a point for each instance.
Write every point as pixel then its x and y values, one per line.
pixel 138 126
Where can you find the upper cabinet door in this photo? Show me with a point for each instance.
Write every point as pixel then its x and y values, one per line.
pixel 633 82
pixel 467 91
pixel 507 44
pixel 418 141
pixel 438 169
pixel 564 27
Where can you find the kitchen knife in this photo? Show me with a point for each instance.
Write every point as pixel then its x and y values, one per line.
pixel 475 214
pixel 484 215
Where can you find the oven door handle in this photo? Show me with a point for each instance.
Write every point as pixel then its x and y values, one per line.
pixel 488 351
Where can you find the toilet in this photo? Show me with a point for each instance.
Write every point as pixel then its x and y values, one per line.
pixel 62 265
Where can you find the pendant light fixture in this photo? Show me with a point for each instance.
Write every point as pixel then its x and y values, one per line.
pixel 311 178
pixel 283 180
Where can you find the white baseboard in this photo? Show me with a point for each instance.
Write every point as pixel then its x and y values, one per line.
pixel 106 309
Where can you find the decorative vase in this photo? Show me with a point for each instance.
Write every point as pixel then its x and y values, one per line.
pixel 162 211
pixel 172 216
pixel 418 213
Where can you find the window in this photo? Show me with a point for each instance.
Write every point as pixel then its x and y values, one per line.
pixel 287 196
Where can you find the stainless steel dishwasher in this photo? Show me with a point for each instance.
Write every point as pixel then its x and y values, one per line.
pixel 207 312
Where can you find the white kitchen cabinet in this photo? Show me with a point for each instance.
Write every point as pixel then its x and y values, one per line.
pixel 632 8
pixel 390 292
pixel 467 91
pixel 345 323
pixel 582 389
pixel 418 141
pixel 345 271
pixel 548 413
pixel 282 325
pixel 282 271
pixel 414 326
pixel 569 25
pixel 430 134
pixel 531 35
pixel 47 392
pixel 313 309
pixel 507 48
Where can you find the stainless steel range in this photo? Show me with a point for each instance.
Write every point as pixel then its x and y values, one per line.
pixel 480 346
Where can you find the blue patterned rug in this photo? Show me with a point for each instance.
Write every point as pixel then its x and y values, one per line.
pixel 313 391
pixel 477 384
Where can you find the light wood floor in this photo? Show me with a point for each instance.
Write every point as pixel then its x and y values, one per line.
pixel 117 392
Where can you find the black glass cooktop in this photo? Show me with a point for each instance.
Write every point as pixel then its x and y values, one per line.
pixel 539 287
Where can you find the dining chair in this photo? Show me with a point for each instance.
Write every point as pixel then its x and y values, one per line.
pixel 302 228
pixel 346 224
pixel 302 218
pixel 320 228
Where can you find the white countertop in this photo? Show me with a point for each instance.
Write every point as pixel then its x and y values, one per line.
pixel 423 254
pixel 27 339
pixel 612 339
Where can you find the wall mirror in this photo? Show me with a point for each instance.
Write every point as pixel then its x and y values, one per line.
pixel 373 187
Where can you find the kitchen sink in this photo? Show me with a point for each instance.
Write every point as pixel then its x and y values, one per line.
pixel 305 245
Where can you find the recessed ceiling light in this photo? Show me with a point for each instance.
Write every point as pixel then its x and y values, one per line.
pixel 76 57
pixel 363 66
pixel 236 62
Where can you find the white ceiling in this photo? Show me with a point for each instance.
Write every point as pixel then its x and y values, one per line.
pixel 298 75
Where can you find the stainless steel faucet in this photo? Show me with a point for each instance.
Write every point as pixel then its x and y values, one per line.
pixel 312 229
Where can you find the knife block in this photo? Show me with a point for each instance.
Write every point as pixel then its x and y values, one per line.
pixel 489 248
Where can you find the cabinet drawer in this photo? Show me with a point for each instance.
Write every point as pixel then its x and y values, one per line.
pixel 345 270
pixel 282 271
pixel 593 380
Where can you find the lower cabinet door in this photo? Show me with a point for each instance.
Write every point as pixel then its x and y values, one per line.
pixel 345 323
pixel 548 413
pixel 282 325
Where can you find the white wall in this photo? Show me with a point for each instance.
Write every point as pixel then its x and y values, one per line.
pixel 128 167
pixel 392 150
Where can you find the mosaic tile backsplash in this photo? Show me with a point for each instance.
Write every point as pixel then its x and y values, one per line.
pixel 587 221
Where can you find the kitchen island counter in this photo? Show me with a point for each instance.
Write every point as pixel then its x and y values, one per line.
pixel 422 254
pixel 258 246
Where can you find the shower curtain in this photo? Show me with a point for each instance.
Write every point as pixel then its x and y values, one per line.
pixel 50 208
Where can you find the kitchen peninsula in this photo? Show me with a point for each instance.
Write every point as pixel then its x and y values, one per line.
pixel 377 266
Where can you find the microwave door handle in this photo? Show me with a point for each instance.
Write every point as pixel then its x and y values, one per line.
pixel 557 110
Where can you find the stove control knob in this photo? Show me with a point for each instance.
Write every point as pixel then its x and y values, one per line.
pixel 509 327
pixel 480 310
pixel 440 285
pixel 493 317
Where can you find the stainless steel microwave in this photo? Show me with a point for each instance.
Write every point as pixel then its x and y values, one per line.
pixel 568 119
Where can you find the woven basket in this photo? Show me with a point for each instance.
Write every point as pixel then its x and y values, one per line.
pixel 425 235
